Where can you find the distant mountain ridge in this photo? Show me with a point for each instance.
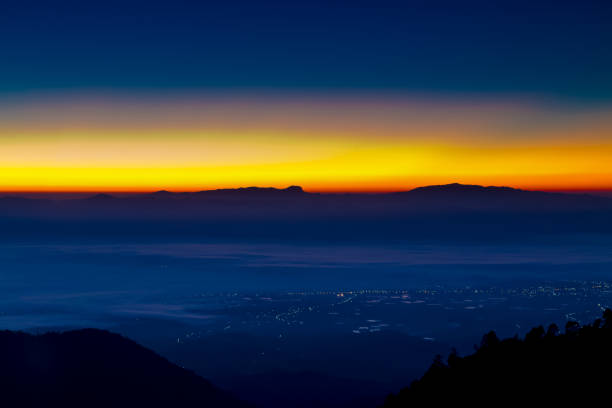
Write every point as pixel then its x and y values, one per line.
pixel 258 190
pixel 444 198
pixel 455 196
pixel 244 191
pixel 96 368
pixel 452 189
pixel 465 188
pixel 453 211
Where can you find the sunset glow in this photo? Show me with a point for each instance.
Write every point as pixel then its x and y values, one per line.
pixel 356 143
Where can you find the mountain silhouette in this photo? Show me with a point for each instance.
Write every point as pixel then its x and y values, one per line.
pixel 254 191
pixel 100 197
pixel 457 188
pixel 431 213
pixel 442 195
pixel 545 368
pixel 96 368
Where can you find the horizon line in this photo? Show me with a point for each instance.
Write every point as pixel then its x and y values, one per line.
pixel 136 191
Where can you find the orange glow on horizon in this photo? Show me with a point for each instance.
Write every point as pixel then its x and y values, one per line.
pixel 369 145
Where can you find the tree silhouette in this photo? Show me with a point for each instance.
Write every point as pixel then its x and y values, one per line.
pixel 546 368
pixel 552 331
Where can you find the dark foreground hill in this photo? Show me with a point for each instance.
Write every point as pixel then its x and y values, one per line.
pixel 95 368
pixel 545 368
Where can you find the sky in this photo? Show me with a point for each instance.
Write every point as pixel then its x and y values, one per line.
pixel 330 95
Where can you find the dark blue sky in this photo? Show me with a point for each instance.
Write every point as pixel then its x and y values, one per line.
pixel 555 48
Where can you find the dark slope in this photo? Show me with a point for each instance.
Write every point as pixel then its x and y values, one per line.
pixel 95 368
pixel 546 367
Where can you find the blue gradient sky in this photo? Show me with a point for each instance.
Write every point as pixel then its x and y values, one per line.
pixel 557 48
